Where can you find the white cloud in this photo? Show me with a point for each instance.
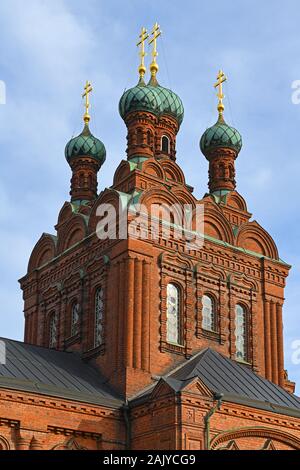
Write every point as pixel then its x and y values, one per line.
pixel 49 37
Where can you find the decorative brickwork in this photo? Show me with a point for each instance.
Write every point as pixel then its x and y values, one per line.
pixel 127 341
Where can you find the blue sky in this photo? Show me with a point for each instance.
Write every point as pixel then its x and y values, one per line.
pixel 49 48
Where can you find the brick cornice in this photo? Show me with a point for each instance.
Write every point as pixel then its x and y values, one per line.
pixel 74 432
pixel 44 401
pixel 243 411
pixel 12 423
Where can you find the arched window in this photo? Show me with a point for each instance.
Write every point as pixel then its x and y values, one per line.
pixel 165 144
pixel 75 314
pixel 208 313
pixel 99 311
pixel 240 333
pixel 221 170
pixel 149 137
pixel 173 314
pixel 139 136
pixel 53 330
pixel 81 180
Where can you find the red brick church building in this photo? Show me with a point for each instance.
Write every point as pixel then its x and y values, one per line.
pixel 147 341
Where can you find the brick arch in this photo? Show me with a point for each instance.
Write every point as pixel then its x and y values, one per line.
pixel 151 167
pixel 253 237
pixel 109 196
pixel 216 225
pixel 235 200
pixel 184 196
pixel 164 199
pixel 73 232
pixel 275 435
pixel 172 171
pixel 43 252
pixel 4 444
pixel 65 213
pixel 52 313
pixel 149 137
pixel 121 172
pixel 214 297
pixel 157 195
pixel 209 292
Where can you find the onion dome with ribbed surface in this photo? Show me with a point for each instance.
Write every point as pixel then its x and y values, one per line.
pixel 152 98
pixel 85 144
pixel 220 135
pixel 142 97
pixel 171 103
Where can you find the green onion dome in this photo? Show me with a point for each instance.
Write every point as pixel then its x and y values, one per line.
pixel 140 98
pixel 220 135
pixel 171 103
pixel 152 98
pixel 85 144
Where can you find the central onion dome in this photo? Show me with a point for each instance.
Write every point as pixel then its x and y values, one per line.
pixel 220 135
pixel 85 144
pixel 152 98
pixel 152 113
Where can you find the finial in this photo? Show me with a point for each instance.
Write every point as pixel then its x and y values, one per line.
pixel 88 89
pixel 143 36
pixel 156 32
pixel 221 78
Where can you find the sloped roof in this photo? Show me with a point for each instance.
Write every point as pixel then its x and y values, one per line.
pixel 55 373
pixel 237 382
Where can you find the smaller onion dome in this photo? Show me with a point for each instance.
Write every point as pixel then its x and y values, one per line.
pixel 220 135
pixel 85 144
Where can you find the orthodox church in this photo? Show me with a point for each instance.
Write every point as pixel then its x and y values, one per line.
pixel 150 342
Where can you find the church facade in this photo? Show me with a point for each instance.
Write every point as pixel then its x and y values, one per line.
pixel 150 339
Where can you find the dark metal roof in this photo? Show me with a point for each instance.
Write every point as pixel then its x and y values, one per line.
pixel 223 375
pixel 55 373
pixel 237 382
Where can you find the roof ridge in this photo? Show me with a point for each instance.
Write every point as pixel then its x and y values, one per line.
pixel 197 355
pixel 74 353
pixel 233 379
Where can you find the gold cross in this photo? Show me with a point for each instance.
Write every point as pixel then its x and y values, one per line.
pixel 156 32
pixel 221 78
pixel 88 89
pixel 143 36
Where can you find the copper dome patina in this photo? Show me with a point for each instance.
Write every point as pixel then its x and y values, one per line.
pixel 85 144
pixel 152 98
pixel 220 135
